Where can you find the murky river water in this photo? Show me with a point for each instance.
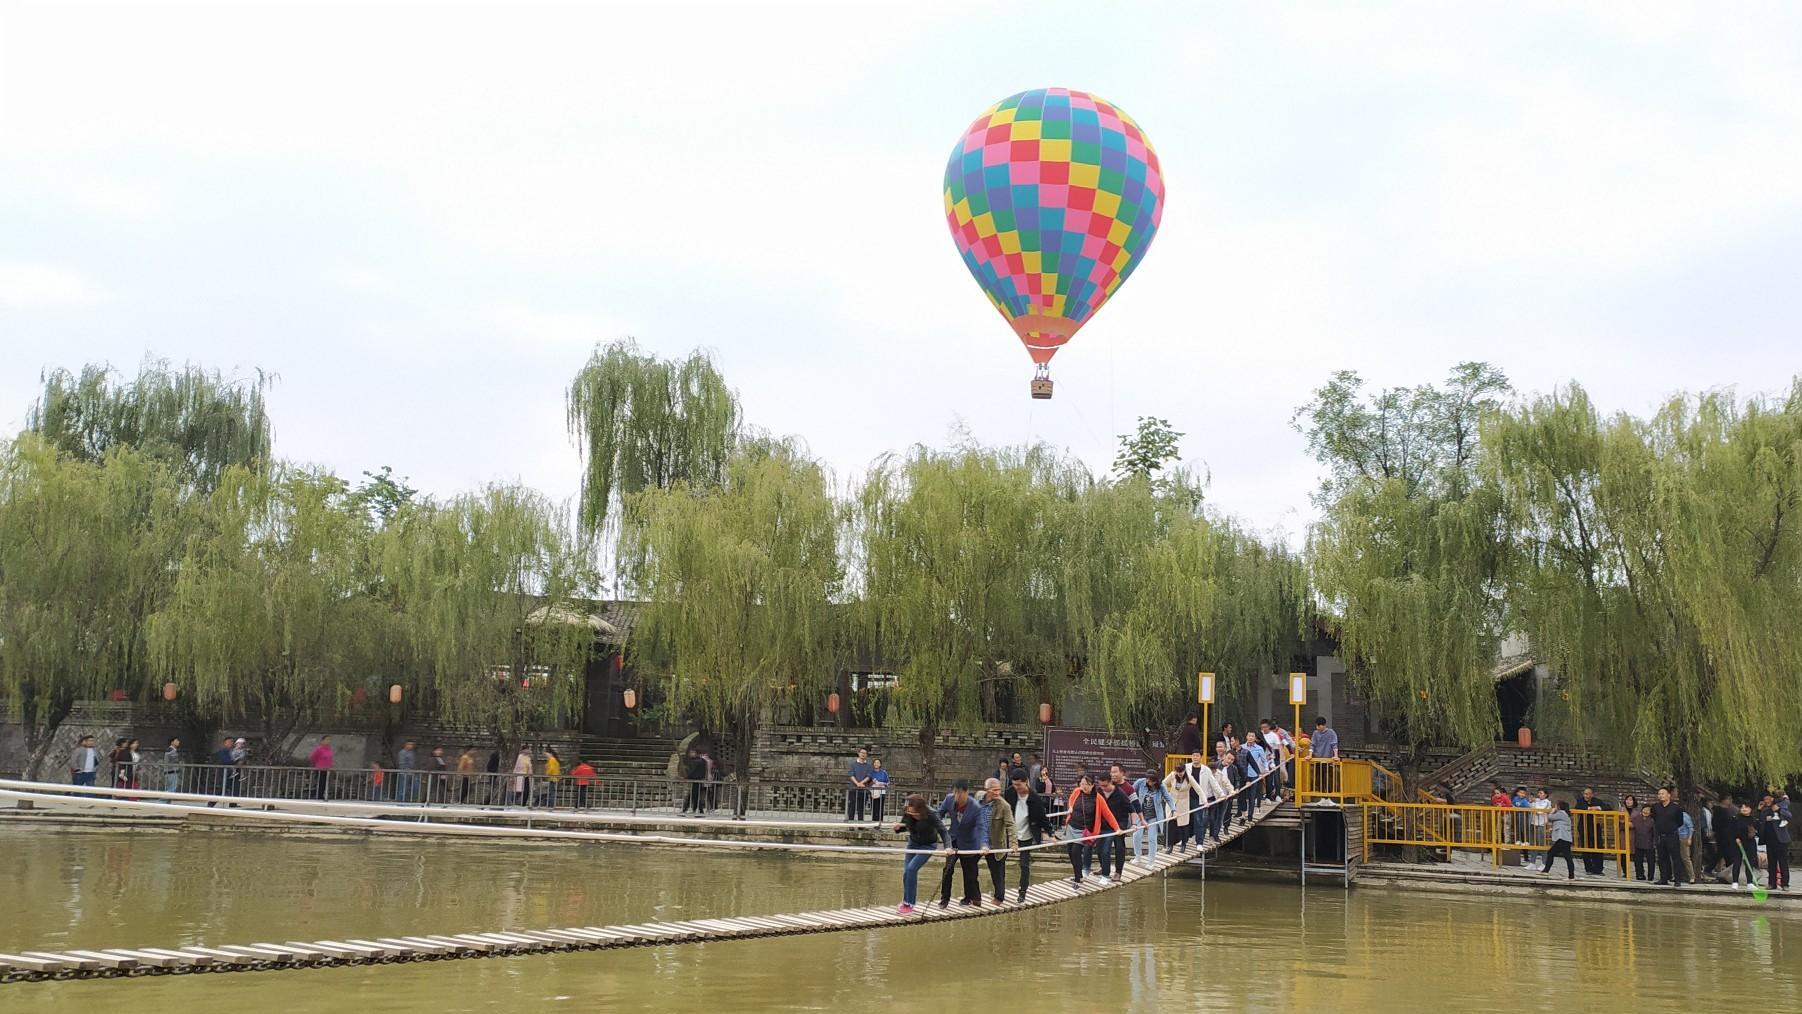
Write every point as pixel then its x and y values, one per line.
pixel 1177 945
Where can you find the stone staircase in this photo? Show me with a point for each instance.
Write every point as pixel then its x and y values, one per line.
pixel 630 759
pixel 1565 771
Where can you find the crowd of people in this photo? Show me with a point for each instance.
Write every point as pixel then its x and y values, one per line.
pixel 534 778
pixel 1106 820
pixel 1733 840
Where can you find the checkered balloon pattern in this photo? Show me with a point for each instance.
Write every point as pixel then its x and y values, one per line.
pixel 1052 197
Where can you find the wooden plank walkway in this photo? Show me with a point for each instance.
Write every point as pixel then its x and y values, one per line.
pixel 32 966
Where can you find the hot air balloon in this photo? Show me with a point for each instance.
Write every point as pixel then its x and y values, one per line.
pixel 1052 196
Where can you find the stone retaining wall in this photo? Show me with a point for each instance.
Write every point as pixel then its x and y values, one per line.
pixel 806 754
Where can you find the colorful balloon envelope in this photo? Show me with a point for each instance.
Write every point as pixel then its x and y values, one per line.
pixel 1053 197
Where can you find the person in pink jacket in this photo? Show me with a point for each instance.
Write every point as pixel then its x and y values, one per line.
pixel 322 766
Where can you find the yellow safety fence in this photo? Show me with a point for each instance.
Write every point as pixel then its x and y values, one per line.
pixel 1345 781
pixel 1340 780
pixel 1494 829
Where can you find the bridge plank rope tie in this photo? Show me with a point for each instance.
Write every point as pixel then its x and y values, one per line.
pixel 35 966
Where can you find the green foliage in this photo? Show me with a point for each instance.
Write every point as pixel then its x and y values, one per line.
pixel 1410 552
pixel 1660 573
pixel 86 553
pixel 383 496
pixel 1423 438
pixel 1145 452
pixel 269 617
pixel 1191 593
pixel 490 592
pixel 647 423
pixel 961 588
pixel 986 568
pixel 738 582
pixel 194 420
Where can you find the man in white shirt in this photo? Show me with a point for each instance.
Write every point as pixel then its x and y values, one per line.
pixel 1207 795
pixel 1225 787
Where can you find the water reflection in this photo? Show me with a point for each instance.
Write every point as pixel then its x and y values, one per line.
pixel 1181 944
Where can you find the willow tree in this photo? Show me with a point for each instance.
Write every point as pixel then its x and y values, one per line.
pixel 1410 554
pixel 270 619
pixel 739 581
pixel 489 592
pixel 1661 574
pixel 642 422
pixel 1160 590
pixel 197 421
pixel 86 553
pixel 961 581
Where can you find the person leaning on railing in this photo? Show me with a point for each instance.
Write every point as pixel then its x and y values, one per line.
pixel 1324 744
pixel 924 833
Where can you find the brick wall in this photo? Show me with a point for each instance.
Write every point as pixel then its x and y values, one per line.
pixel 802 754
pixel 1563 771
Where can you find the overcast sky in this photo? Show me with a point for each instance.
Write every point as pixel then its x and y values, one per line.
pixel 423 219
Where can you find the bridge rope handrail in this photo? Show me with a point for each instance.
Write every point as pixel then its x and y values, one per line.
pixel 301 812
pixel 35 966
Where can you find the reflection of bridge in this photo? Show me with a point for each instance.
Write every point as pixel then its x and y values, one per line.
pixel 118 962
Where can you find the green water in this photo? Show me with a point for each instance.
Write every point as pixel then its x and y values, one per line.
pixel 1178 944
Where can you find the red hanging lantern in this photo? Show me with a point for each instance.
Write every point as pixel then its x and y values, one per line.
pixel 1045 713
pixel 394 694
pixel 169 691
pixel 631 698
pixel 359 695
pixel 832 702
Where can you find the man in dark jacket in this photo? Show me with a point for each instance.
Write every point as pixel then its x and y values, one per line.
pixel 1667 820
pixel 1587 836
pixel 1722 817
pixel 1188 738
pixel 1774 833
pixel 967 833
pixel 1122 807
pixel 1730 834
pixel 1031 824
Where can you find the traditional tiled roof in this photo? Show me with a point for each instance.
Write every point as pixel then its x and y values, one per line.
pixel 1510 666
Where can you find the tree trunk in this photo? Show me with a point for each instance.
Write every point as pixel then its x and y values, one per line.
pixel 929 753
pixel 40 725
pixel 747 734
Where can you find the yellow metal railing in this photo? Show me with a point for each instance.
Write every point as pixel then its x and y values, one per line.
pixel 1344 781
pixel 1493 829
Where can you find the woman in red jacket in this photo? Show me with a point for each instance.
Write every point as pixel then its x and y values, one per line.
pixel 1088 815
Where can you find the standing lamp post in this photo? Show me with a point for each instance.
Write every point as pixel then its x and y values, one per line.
pixel 1204 696
pixel 1298 696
